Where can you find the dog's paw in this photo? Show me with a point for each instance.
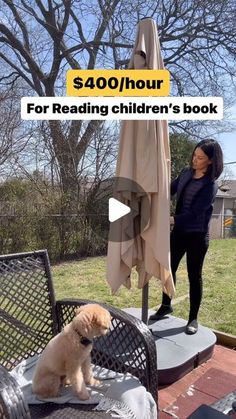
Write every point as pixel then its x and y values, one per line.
pixel 83 395
pixel 66 381
pixel 94 382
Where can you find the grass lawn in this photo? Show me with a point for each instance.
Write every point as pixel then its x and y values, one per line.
pixel 87 279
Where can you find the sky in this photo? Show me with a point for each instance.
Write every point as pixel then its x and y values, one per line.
pixel 228 143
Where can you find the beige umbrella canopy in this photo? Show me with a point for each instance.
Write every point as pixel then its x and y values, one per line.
pixel 144 157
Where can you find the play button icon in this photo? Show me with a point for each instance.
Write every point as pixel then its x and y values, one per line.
pixel 129 210
pixel 117 210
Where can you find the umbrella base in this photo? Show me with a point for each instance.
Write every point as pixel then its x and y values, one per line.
pixel 177 352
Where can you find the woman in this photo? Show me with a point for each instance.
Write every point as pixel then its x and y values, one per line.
pixel 196 190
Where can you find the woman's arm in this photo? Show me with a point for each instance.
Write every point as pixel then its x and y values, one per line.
pixel 175 182
pixel 202 203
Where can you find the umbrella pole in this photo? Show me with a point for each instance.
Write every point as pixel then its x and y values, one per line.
pixel 145 303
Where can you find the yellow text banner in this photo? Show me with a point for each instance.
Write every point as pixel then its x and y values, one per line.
pixel 118 83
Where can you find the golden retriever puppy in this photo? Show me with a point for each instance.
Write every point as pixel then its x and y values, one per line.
pixel 66 357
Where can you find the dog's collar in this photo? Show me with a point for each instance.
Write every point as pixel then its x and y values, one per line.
pixel 83 340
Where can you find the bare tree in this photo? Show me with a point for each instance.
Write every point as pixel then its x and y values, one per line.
pixel 40 67
pixel 39 42
pixel 13 136
pixel 6 127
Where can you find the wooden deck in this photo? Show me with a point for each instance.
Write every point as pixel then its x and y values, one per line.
pixel 204 385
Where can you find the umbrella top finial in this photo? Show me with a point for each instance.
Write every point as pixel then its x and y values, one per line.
pixel 147 46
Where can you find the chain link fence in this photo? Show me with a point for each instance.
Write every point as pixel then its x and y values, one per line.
pixel 65 237
pixel 71 236
pixel 229 226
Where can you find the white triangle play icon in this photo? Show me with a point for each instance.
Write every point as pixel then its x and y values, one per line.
pixel 117 209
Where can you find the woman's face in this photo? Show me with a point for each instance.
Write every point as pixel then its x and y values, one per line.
pixel 200 160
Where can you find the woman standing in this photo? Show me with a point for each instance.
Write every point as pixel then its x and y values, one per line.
pixel 196 190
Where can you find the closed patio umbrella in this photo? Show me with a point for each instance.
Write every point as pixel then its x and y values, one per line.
pixel 143 157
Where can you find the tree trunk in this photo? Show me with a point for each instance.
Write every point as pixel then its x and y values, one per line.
pixel 67 158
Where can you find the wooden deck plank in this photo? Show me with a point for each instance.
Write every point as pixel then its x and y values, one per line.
pixel 223 359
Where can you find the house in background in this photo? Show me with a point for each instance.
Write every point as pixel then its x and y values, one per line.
pixel 223 222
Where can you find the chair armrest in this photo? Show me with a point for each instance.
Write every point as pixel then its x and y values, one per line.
pixel 128 347
pixel 12 403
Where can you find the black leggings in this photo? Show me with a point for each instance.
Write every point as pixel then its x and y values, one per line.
pixel 195 246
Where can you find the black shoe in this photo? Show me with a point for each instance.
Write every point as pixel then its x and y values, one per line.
pixel 192 327
pixel 161 312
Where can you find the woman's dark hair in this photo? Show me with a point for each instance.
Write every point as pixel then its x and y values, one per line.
pixel 214 152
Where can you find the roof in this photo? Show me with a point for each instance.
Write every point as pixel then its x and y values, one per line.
pixel 227 189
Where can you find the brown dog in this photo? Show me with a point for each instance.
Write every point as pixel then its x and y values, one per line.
pixel 66 357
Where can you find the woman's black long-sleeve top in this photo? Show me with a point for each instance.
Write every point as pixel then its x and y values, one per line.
pixel 195 198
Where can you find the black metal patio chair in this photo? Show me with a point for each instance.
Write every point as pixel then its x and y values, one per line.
pixel 30 317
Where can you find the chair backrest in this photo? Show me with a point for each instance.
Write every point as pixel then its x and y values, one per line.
pixel 27 306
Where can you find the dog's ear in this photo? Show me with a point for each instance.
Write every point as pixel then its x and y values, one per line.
pixel 101 318
pixel 95 319
pixel 82 322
